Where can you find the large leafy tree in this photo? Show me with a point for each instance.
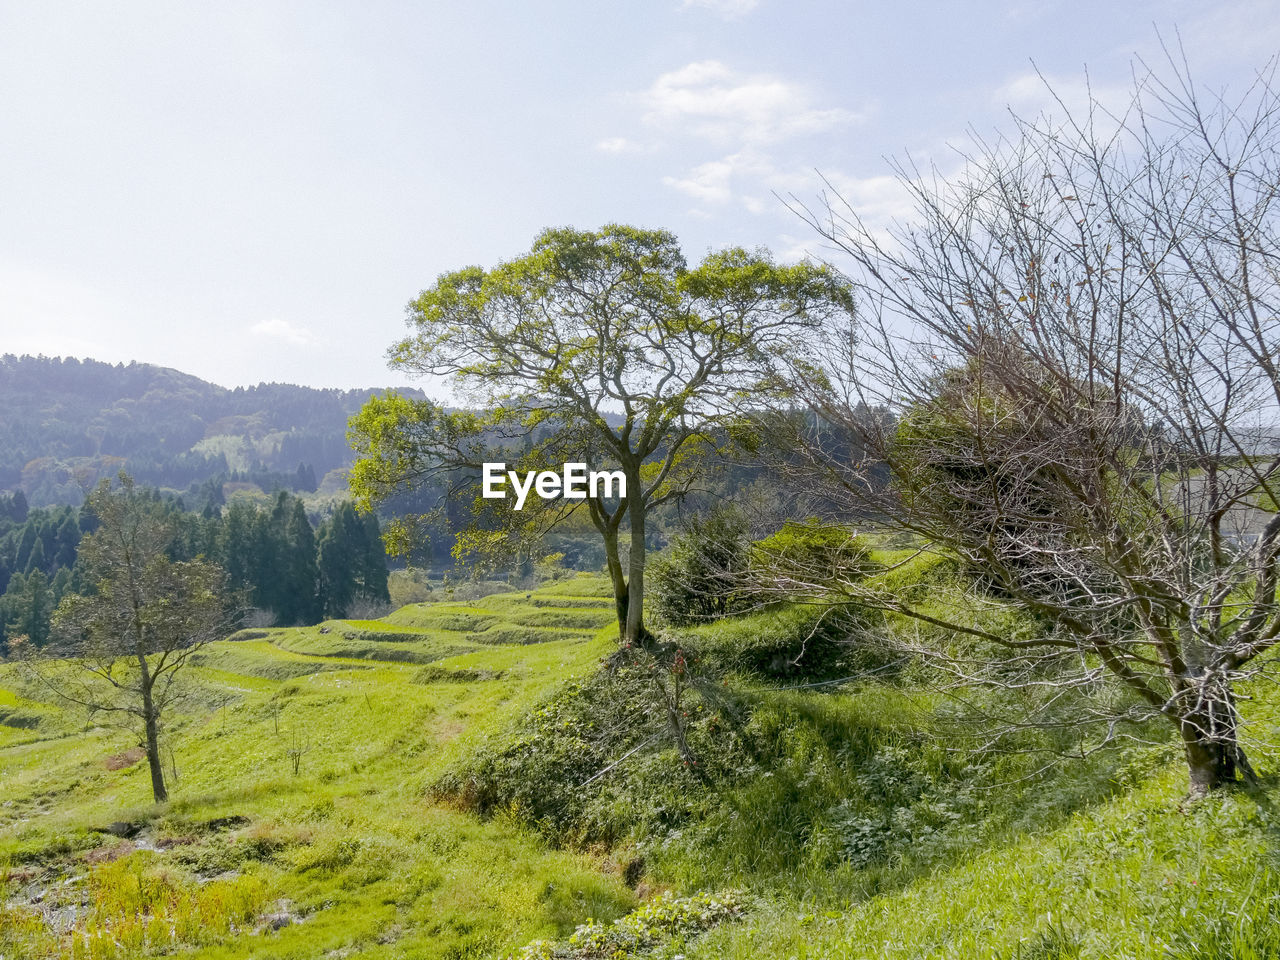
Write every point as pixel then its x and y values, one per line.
pixel 602 347
pixel 126 643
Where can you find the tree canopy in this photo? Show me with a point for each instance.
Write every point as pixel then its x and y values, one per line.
pixel 128 640
pixel 601 347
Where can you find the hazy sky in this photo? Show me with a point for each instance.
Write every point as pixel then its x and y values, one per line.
pixel 253 191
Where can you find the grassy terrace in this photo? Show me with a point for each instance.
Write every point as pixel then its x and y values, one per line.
pixel 842 823
pixel 347 856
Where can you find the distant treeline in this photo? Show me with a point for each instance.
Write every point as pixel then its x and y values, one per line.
pixel 191 470
pixel 287 567
pixel 68 422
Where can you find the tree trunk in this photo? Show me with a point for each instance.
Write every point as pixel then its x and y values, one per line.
pixel 158 791
pixel 1215 764
pixel 1212 746
pixel 634 627
pixel 618 579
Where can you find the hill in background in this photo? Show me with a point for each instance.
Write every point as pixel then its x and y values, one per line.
pixel 69 422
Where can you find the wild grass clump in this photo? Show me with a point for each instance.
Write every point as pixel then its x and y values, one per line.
pixel 540 771
pixel 1144 876
pixel 212 853
pixel 665 921
pixel 24 935
pixel 564 618
pixel 250 633
pixel 424 648
pixel 133 907
pixel 255 659
pixel 582 585
pixel 577 602
pixel 436 617
pixel 797 643
pixel 146 906
pixel 436 674
pixel 522 636
pixel 18 719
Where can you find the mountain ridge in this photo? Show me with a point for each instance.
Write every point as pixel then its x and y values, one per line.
pixel 67 422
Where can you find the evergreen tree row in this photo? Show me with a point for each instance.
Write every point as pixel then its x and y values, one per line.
pixel 299 574
pixel 285 567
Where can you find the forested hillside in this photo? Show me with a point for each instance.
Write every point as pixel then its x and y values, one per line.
pixel 67 423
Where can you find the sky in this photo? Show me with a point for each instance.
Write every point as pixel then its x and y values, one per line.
pixel 254 191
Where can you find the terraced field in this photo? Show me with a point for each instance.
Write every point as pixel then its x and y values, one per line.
pixel 306 765
pixel 301 823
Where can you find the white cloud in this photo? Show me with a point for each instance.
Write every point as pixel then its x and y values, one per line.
pixel 877 200
pixel 709 182
pixel 729 9
pixel 277 329
pixel 1246 32
pixel 792 249
pixel 1031 93
pixel 709 100
pixel 720 181
pixel 616 145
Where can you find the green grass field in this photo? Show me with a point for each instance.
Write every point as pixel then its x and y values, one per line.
pixel 346 855
pixel 319 810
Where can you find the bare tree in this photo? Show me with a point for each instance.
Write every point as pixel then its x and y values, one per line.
pixel 121 648
pixel 1068 362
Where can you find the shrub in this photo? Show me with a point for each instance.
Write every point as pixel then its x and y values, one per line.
pixel 796 641
pixel 811 552
pixel 664 918
pixel 561 769
pixel 700 576
pixel 435 674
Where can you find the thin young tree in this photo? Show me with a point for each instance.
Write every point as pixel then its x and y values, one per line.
pixel 599 347
pixel 122 648
pixel 1068 363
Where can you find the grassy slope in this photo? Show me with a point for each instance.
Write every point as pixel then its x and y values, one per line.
pixel 1102 860
pixel 1099 860
pixel 1141 876
pixel 349 843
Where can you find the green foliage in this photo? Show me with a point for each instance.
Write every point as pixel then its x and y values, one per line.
pixel 811 555
pixel 664 921
pixel 702 573
pixel 549 342
pixel 797 642
pixel 37 558
pixel 269 551
pixel 540 771
pixel 352 564
pixel 146 615
pixel 409 585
